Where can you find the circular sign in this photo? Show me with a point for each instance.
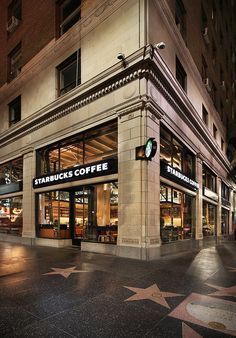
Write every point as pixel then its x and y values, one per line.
pixel 150 148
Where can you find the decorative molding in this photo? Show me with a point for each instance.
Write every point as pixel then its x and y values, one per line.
pixel 132 241
pixel 151 69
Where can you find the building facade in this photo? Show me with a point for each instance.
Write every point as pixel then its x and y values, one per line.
pixel 114 124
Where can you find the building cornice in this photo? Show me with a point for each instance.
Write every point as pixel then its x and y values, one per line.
pixel 143 64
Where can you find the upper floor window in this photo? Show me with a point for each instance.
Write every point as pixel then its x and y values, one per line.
pixel 224 191
pixel 14 62
pixel 15 111
pixel 180 17
pixel 208 178
pixel 181 75
pixel 70 13
pixel 69 73
pixel 204 115
pixel 204 69
pixel 222 144
pixel 214 131
pixel 14 15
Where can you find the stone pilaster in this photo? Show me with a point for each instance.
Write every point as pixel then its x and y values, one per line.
pixel 218 210
pixel 199 210
pixel 28 195
pixel 139 184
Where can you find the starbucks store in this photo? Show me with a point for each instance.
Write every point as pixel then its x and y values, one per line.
pixel 77 189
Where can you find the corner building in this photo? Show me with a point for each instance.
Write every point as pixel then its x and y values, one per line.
pixel 83 86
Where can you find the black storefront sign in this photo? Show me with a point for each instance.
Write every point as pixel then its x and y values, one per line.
pixel 96 169
pixel 178 177
pixel 9 188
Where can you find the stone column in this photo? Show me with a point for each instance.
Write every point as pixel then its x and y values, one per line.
pixel 139 183
pixel 218 212
pixel 199 201
pixel 28 194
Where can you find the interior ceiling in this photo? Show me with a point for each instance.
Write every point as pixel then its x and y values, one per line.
pixel 103 145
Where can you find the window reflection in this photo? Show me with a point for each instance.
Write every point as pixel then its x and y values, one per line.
pixel 176 221
pixel 89 213
pixel 173 153
pixel 11 218
pixel 87 147
pixel 11 171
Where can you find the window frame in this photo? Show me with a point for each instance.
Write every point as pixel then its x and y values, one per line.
pixel 12 106
pixel 63 22
pixel 14 62
pixel 181 75
pixel 74 58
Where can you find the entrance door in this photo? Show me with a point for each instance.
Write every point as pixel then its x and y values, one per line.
pixel 82 214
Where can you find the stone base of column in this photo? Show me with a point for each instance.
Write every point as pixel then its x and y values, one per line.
pixel 145 254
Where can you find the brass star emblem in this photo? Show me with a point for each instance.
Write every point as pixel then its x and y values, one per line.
pixel 231 291
pixel 64 272
pixel 152 293
pixel 231 269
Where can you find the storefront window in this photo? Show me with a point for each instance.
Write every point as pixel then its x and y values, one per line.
pixel 11 171
pixel 88 213
pixel 176 219
pixel 53 215
pixel 224 221
pixel 11 215
pixel 87 147
pixel 173 153
pixel 209 219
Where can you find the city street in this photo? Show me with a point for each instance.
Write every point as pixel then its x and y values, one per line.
pixel 50 292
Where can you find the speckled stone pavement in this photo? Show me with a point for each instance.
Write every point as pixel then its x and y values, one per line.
pixel 50 292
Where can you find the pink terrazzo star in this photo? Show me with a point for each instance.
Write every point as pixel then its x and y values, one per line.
pixel 64 272
pixel 231 291
pixel 187 332
pixel 152 293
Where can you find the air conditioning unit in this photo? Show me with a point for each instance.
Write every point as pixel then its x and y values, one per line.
pixel 206 35
pixel 206 82
pixel 12 24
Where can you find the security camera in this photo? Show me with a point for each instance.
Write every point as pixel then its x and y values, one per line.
pixel 160 45
pixel 120 56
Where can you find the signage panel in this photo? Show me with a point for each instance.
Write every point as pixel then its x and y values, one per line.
pixel 178 177
pixel 210 194
pixel 101 168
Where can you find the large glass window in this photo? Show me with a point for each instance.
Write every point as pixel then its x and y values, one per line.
pixel 11 171
pixel 176 221
pixel 209 219
pixel 172 152
pixel 11 219
pixel 89 213
pixel 224 221
pixel 90 146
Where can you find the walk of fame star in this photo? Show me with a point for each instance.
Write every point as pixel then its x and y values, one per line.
pixel 231 269
pixel 188 332
pixel 152 293
pixel 64 272
pixel 231 291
